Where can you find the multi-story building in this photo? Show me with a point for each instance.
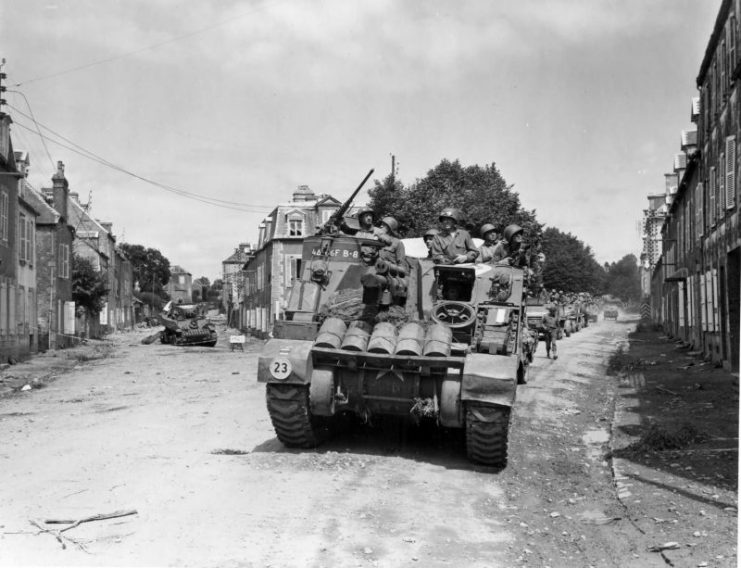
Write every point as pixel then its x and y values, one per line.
pixel 54 236
pixel 269 274
pixel 697 278
pixel 180 285
pixel 26 293
pixel 94 240
pixel 233 278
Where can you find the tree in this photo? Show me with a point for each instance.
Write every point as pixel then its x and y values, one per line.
pixel 480 192
pixel 624 279
pixel 149 267
pixel 569 264
pixel 89 287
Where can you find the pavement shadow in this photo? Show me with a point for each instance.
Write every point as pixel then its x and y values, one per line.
pixel 679 414
pixel 391 436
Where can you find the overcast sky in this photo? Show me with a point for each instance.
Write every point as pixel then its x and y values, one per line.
pixel 580 103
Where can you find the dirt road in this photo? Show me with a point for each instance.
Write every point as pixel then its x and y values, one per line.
pixel 182 436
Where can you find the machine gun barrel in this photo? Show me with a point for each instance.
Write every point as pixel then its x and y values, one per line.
pixel 332 224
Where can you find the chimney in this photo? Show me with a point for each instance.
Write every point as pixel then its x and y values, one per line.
pixel 74 196
pixel 108 226
pixel 60 190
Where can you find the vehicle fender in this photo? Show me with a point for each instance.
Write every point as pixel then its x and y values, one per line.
pixel 490 378
pixel 285 361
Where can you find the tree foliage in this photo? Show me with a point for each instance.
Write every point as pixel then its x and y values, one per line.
pixel 149 267
pixel 569 264
pixel 624 279
pixel 89 287
pixel 480 192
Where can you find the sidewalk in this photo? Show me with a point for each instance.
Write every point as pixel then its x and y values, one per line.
pixel 675 450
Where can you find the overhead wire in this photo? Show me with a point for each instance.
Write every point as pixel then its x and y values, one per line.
pixel 76 148
pixel 30 110
pixel 140 50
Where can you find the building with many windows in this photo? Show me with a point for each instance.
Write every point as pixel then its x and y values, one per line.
pixel 269 274
pixel 695 283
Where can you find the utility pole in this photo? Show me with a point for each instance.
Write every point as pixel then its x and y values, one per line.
pixel 393 168
pixel 3 75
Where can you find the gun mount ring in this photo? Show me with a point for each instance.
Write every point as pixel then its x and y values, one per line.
pixel 454 314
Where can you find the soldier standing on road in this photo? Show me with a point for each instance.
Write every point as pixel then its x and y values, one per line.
pixel 394 249
pixel 452 245
pixel 491 240
pixel 550 325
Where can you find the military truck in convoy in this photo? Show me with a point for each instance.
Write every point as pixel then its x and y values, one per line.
pixel 364 336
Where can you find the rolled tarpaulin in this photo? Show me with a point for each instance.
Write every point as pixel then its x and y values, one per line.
pixel 331 333
pixel 357 336
pixel 437 341
pixel 411 339
pixel 383 338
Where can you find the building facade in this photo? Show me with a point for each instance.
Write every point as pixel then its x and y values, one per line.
pixel 695 284
pixel 180 285
pixel 270 273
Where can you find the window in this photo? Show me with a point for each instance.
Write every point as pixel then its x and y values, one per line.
pixel 22 236
pixel 295 227
pixel 730 173
pixel 64 261
pixel 698 210
pixel 293 269
pixel 4 216
pixel 711 199
pixel 31 239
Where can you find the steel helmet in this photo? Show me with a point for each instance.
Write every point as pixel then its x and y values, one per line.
pixel 363 210
pixel 391 223
pixel 431 233
pixel 487 228
pixel 452 213
pixel 510 231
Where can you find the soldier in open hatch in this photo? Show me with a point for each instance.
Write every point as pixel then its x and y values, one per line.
pixel 491 240
pixel 510 251
pixel 452 245
pixel 394 249
pixel 366 219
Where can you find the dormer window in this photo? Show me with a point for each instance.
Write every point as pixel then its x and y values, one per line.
pixel 295 224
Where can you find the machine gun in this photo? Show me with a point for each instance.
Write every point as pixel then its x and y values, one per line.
pixel 332 226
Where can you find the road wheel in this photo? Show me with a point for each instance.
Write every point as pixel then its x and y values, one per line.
pixel 487 428
pixel 288 406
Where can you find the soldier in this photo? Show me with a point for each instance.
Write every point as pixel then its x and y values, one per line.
pixel 452 245
pixel 491 240
pixel 365 217
pixel 394 249
pixel 427 238
pixel 550 325
pixel 510 251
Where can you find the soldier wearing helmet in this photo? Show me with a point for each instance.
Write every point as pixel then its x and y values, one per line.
pixel 550 325
pixel 365 217
pixel 387 234
pixel 452 245
pixel 427 238
pixel 491 240
pixel 508 252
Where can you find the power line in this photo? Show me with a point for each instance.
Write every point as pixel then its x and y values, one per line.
pixel 140 50
pixel 77 149
pixel 30 110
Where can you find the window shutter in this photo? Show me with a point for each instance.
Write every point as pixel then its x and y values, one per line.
pixel 698 210
pixel 703 304
pixel 730 196
pixel 711 198
pixel 682 304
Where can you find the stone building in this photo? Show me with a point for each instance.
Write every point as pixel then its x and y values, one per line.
pixel 695 283
pixel 269 274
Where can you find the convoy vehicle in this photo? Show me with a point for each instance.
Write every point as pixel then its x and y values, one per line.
pixel 186 324
pixel 610 312
pixel 364 336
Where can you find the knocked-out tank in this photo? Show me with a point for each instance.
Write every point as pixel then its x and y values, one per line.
pixel 365 336
pixel 186 324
